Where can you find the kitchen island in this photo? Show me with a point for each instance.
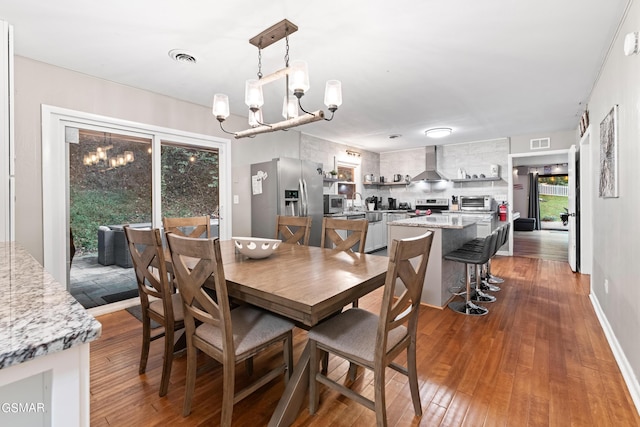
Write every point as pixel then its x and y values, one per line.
pixel 450 232
pixel 44 346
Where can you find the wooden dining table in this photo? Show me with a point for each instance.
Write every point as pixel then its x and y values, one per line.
pixel 305 284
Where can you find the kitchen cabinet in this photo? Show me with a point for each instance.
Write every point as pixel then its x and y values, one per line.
pixel 375 237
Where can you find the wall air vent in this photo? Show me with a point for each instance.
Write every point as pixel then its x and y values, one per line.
pixel 540 143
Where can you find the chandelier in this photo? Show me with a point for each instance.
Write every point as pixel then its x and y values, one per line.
pixel 101 157
pixel 296 76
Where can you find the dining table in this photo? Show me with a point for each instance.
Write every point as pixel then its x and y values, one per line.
pixel 306 284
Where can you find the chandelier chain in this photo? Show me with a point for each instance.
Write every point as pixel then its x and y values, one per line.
pixel 286 52
pixel 259 62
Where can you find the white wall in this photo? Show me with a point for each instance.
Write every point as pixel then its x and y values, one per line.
pixel 38 83
pixel 616 234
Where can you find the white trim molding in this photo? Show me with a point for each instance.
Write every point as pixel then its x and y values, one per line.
pixel 623 363
pixel 55 181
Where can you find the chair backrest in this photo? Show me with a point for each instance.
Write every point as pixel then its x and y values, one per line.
pixel 408 260
pixel 354 229
pixel 197 226
pixel 147 255
pixel 293 229
pixel 197 262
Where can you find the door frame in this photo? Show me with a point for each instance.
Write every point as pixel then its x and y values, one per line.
pixel 55 183
pixel 510 182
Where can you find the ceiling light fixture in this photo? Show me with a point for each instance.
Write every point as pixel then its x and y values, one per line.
pixel 296 76
pixel 631 44
pixel 438 132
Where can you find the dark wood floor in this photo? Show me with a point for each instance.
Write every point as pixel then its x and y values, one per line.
pixel 539 358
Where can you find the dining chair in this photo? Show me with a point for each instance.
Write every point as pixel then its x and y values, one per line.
pixel 374 341
pixel 147 254
pixel 293 229
pixel 228 336
pixel 344 235
pixel 197 226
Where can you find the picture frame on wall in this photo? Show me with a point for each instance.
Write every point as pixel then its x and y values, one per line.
pixel 609 154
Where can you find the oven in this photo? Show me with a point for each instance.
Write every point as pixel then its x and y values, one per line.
pixel 434 205
pixel 476 203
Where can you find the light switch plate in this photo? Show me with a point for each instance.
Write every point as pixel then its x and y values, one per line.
pixel 236 199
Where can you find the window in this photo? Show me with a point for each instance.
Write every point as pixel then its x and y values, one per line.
pixel 346 183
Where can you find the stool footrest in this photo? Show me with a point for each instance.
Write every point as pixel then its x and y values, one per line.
pixel 467 308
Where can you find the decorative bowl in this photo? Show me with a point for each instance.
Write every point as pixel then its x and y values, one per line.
pixel 256 247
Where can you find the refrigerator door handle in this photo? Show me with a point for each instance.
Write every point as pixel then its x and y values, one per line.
pixel 306 198
pixel 301 210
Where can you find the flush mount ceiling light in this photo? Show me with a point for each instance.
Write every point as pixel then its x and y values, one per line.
pixel 296 76
pixel 438 132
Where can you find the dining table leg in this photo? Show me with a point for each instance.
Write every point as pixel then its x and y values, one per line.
pixel 294 393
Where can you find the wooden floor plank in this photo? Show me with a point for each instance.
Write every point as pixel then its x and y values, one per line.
pixel 538 358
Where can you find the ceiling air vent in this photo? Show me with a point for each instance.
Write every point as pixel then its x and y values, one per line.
pixel 182 56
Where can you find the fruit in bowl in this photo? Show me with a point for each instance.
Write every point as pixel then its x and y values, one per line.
pixel 256 247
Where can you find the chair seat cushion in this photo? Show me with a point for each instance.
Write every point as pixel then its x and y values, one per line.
pixel 252 327
pixel 354 332
pixel 176 300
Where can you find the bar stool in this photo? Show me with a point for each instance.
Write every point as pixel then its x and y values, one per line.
pixel 491 279
pixel 485 284
pixel 477 257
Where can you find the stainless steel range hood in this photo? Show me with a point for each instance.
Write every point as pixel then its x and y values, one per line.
pixel 431 170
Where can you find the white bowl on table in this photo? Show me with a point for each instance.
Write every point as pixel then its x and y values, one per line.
pixel 256 247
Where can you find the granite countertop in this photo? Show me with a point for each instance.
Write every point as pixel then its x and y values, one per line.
pixel 37 314
pixel 436 221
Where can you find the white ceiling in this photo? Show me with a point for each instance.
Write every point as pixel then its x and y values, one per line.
pixel 486 68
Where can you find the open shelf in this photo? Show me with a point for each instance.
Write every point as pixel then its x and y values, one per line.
pixel 492 178
pixel 384 184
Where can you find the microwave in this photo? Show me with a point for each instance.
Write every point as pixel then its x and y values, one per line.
pixel 476 203
pixel 334 203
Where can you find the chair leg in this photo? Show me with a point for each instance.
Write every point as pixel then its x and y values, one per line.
pixel 325 363
pixel 379 401
pixel 192 361
pixel 413 378
pixel 353 371
pixel 167 360
pixel 146 340
pixel 314 396
pixel 228 384
pixel 248 364
pixel 288 356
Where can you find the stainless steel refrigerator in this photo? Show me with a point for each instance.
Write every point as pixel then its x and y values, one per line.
pixel 286 186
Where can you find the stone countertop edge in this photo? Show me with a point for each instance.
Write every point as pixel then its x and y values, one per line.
pixel 436 221
pixel 37 314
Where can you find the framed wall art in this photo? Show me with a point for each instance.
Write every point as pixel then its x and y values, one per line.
pixel 609 154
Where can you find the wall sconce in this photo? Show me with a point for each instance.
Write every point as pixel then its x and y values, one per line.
pixel 353 153
pixel 631 44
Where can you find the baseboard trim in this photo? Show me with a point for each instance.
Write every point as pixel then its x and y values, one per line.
pixel 623 363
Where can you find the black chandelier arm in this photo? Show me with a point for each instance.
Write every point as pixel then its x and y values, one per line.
pixel 330 118
pixel 224 130
pixel 303 110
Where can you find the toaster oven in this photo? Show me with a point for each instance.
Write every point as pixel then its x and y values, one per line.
pixel 476 203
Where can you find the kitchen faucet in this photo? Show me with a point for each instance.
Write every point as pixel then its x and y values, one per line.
pixel 353 200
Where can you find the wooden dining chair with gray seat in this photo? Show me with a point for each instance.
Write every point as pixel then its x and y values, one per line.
pixel 374 341
pixel 293 229
pixel 228 336
pixel 344 234
pixel 197 226
pixel 147 254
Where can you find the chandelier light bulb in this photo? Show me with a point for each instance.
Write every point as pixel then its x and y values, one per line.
pixel 128 156
pixel 333 95
pixel 299 77
pixel 289 107
pixel 114 162
pixel 255 118
pixel 220 106
pixel 253 94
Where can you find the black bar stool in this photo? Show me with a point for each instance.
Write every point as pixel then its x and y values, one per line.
pixel 477 256
pixel 491 279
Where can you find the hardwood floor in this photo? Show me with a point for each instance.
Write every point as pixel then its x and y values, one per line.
pixel 539 358
pixel 545 244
